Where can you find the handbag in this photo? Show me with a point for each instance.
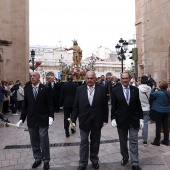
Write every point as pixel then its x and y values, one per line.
pixel 150 99
pixel 167 96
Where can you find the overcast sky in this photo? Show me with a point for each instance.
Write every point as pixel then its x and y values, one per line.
pixel 93 23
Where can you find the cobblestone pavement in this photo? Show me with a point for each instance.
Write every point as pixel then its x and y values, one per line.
pixel 65 151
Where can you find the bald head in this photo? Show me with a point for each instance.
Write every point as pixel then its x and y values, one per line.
pixel 90 78
pixel 35 78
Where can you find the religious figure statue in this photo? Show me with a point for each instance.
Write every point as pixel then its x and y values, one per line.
pixel 77 54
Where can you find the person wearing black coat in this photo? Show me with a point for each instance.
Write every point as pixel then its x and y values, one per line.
pixel 127 116
pixel 55 88
pixel 14 101
pixel 68 92
pixel 106 84
pixel 91 108
pixel 38 109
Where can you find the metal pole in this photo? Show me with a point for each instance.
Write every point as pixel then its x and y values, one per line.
pixel 33 64
pixel 122 64
pixel 33 56
pixel 136 68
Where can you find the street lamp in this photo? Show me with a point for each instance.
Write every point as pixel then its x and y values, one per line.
pixel 43 76
pixel 121 48
pixel 33 57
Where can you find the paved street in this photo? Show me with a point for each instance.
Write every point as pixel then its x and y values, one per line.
pixel 65 151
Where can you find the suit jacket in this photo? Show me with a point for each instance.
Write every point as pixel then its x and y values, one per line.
pixel 14 90
pixel 106 85
pixel 98 112
pixel 126 114
pixel 55 91
pixel 37 110
pixel 68 92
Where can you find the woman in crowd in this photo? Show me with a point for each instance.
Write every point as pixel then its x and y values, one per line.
pixel 144 94
pixel 161 108
pixel 20 96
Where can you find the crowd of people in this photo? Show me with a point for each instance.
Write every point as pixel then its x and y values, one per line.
pixel 134 101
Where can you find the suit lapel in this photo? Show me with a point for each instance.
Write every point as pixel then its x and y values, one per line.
pixel 31 92
pixel 95 93
pixel 86 93
pixel 122 94
pixel 131 93
pixel 39 90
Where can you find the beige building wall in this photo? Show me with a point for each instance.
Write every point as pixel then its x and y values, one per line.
pixel 153 37
pixel 14 27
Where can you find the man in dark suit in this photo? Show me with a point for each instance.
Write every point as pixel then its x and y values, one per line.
pixel 127 115
pixel 53 92
pixel 105 83
pixel 91 108
pixel 113 84
pixel 57 94
pixel 68 92
pixel 38 109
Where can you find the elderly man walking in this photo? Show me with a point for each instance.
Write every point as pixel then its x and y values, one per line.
pixel 91 108
pixel 38 109
pixel 127 115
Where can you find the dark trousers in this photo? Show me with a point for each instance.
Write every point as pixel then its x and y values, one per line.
pixel 55 100
pixel 67 114
pixel 133 144
pixel 57 106
pixel 95 135
pixel 161 121
pixel 14 104
pixel 40 143
pixel 5 106
pixel 20 105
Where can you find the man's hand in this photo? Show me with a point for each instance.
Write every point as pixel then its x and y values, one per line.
pixel 50 121
pixel 113 123
pixel 141 124
pixel 19 123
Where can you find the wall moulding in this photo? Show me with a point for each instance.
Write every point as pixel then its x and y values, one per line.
pixel 5 43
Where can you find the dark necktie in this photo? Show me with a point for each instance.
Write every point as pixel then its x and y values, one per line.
pixel 127 94
pixel 35 91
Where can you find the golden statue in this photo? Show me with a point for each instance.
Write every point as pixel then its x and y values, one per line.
pixel 77 54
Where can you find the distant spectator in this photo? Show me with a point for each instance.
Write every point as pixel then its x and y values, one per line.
pixel 144 94
pixel 161 108
pixel 151 81
pixel 14 102
pixel 20 96
pixel 105 83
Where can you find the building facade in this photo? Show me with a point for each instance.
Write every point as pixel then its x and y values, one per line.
pixel 14 40
pixel 52 57
pixel 152 38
